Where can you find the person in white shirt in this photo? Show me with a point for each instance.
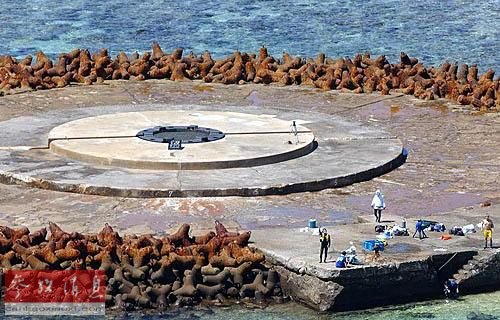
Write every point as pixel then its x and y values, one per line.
pixel 378 204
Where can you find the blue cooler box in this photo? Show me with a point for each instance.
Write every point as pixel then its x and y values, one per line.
pixel 370 245
pixel 312 224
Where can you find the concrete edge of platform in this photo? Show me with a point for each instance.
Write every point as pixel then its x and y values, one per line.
pixel 309 186
pixel 189 165
pixel 369 286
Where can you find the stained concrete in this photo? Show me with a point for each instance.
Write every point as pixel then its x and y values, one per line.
pixel 344 152
pixel 250 140
pixel 119 124
pixel 451 168
pixel 299 251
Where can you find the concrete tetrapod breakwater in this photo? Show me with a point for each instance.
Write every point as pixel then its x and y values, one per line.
pixel 148 271
pixel 361 74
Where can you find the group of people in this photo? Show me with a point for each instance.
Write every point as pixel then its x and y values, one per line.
pixel 347 256
pixel 378 205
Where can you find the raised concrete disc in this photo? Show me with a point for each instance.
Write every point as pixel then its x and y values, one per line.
pixel 347 152
pixel 250 140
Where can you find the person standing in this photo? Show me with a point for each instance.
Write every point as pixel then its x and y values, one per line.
pixel 378 204
pixel 487 226
pixel 294 131
pixel 324 239
pixel 419 227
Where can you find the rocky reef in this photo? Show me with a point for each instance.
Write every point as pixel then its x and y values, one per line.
pixel 360 74
pixel 147 271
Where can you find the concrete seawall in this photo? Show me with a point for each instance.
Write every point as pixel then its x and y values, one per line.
pixel 409 269
pixel 482 276
pixel 371 286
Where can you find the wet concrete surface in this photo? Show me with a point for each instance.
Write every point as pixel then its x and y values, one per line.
pixel 298 250
pixel 453 163
pixel 344 152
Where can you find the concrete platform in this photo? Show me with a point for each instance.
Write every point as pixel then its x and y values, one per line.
pixel 300 250
pixel 347 152
pixel 250 140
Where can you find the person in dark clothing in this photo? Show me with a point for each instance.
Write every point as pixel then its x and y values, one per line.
pixel 420 229
pixel 324 240
pixel 376 252
pixel 451 289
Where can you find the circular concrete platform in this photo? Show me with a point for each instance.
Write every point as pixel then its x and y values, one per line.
pixel 344 152
pixel 250 140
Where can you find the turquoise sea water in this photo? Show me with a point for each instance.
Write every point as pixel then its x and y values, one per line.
pixel 433 31
pixel 471 307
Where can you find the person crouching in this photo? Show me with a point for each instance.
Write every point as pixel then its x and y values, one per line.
pixel 342 261
pixel 451 289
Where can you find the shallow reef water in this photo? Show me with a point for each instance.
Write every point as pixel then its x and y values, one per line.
pixel 433 31
pixel 472 307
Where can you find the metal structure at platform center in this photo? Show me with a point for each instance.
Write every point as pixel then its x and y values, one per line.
pixel 185 134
